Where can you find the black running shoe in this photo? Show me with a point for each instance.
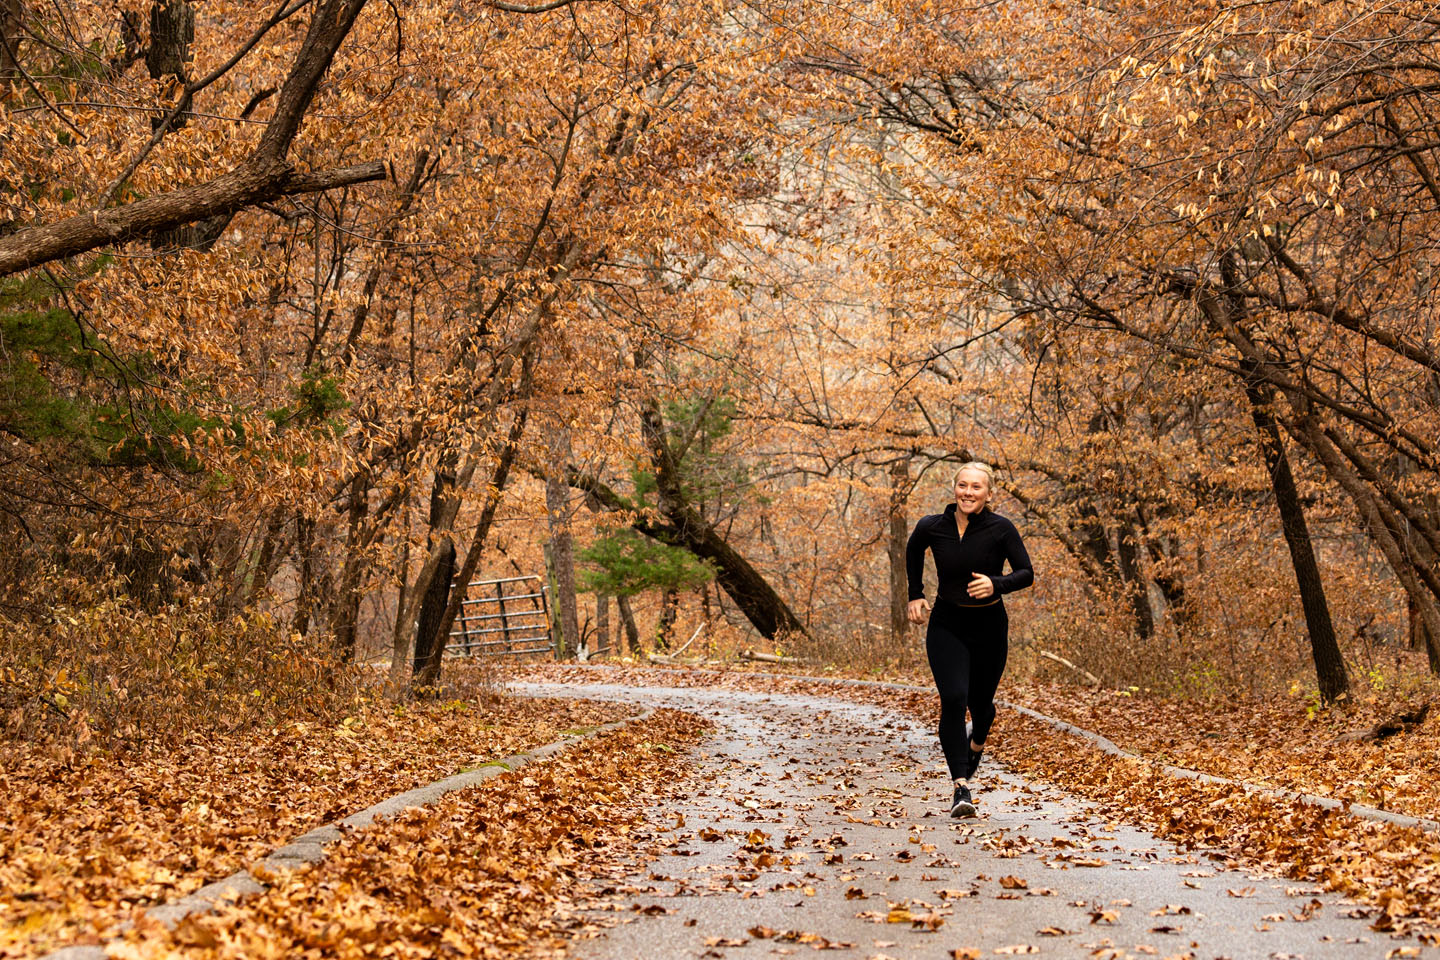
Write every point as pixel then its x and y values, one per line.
pixel 962 805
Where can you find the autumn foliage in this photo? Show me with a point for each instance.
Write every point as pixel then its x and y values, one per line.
pixel 312 312
pixel 91 836
pixel 384 298
pixel 485 872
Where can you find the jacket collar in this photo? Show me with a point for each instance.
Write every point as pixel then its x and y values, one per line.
pixel 983 516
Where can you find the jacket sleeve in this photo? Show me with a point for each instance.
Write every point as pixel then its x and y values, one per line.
pixel 915 559
pixel 1021 574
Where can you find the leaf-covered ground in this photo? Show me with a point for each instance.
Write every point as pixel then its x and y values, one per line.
pixel 87 838
pixel 1281 741
pixel 1395 869
pixel 481 873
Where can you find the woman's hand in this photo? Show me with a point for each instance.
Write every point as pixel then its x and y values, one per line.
pixel 980 587
pixel 917 610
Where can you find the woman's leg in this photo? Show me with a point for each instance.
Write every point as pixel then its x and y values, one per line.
pixel 990 647
pixel 950 665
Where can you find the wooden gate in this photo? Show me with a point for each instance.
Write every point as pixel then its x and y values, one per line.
pixel 506 616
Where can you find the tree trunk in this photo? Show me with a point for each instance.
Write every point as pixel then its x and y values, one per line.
pixel 429 645
pixel 304 600
pixel 269 558
pixel 562 554
pixel 444 505
pixel 172 29
pixel 397 639
pixel 1329 665
pixel 452 478
pixel 1424 555
pixel 669 609
pixel 1163 573
pixel 632 632
pixel 1133 579
pixel 221 556
pixel 1411 578
pixel 11 30
pixel 428 673
pixel 602 623
pixel 1385 531
pixel 899 535
pixel 1113 566
pixel 756 599
pixel 750 591
pixel 345 617
pixel 1410 525
pixel 552 609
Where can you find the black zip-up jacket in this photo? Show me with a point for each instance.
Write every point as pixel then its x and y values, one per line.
pixel 989 541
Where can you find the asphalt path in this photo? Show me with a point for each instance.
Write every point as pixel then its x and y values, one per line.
pixel 819 824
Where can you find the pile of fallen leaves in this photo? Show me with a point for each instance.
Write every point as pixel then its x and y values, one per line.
pixel 86 836
pixel 1395 869
pixel 1379 751
pixel 480 873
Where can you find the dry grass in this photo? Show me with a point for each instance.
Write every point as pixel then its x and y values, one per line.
pixel 110 673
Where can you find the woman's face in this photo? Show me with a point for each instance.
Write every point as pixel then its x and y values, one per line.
pixel 972 491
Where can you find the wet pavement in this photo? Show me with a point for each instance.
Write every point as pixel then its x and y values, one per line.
pixel 820 824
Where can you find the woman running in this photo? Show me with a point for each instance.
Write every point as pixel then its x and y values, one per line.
pixel 967 638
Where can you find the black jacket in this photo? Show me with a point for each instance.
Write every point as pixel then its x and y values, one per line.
pixel 989 541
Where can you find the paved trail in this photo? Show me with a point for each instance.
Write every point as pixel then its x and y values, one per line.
pixel 823 821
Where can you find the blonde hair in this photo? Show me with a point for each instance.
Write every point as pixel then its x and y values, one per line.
pixel 984 468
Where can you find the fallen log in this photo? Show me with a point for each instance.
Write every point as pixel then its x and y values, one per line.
pixel 766 657
pixel 671 660
pixel 1387 728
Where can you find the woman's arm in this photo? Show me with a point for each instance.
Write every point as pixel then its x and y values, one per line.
pixel 1021 574
pixel 915 560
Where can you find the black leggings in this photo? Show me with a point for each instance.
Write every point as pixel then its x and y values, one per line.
pixel 967 648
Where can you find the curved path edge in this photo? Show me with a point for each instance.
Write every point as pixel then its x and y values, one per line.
pixel 309 848
pixel 1107 745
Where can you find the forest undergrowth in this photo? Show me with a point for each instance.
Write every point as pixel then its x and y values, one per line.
pixel 1395 871
pixel 89 666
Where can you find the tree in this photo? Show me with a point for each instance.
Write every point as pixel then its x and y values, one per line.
pixel 295 378
pixel 1171 163
pixel 623 563
pixel 263 176
pixel 684 474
